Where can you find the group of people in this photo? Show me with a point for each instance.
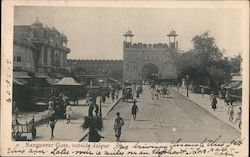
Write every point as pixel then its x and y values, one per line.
pixel 230 110
pixel 58 107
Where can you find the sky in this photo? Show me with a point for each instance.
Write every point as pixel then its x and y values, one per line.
pixel 97 33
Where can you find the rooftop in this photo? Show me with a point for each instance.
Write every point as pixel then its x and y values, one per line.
pixel 128 34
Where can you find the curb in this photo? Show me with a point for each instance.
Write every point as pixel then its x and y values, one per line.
pixel 206 110
pixel 112 108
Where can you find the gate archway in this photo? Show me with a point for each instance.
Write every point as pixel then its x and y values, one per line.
pixel 150 72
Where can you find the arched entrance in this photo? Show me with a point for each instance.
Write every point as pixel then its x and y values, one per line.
pixel 150 73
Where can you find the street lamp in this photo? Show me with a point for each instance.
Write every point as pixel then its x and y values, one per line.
pixel 100 83
pixel 187 77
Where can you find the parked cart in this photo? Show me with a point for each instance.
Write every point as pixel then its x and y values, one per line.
pixel 21 131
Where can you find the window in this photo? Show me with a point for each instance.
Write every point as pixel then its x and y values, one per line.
pixel 35 33
pixel 45 55
pixel 18 59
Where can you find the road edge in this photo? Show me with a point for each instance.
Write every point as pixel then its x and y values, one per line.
pixel 207 111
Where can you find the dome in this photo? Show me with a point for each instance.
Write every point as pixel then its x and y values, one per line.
pixel 37 24
pixel 172 33
pixel 128 33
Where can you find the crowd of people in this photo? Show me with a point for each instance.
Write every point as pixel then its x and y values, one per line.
pixel 231 108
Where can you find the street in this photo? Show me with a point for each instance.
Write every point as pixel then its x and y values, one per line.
pixel 173 118
pixel 72 131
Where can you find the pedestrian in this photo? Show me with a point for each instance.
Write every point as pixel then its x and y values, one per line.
pixel 202 92
pixel 154 100
pixel 52 121
pixel 211 95
pixel 137 93
pixel 178 87
pixel 68 113
pixel 113 95
pixel 16 112
pixel 231 113
pixel 118 126
pixel 134 110
pixel 152 94
pixel 157 94
pixel 117 94
pixel 238 118
pixel 213 102
pixel 96 109
pixel 87 98
pixel 91 107
pixel 103 98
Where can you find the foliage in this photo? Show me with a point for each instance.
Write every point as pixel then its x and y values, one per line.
pixel 205 64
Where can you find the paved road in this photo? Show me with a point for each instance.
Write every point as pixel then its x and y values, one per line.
pixel 72 131
pixel 174 118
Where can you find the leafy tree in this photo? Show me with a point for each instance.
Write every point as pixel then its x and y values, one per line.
pixel 235 63
pixel 204 64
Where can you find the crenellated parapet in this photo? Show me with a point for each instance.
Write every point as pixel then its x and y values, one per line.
pixel 145 46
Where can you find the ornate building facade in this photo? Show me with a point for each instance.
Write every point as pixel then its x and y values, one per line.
pixel 160 58
pixel 40 49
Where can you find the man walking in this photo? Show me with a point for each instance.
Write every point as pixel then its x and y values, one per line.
pixel 118 126
pixel 68 113
pixel 202 92
pixel 134 110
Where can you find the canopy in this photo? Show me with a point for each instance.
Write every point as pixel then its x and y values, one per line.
pixel 52 81
pixel 239 87
pixel 206 87
pixel 19 81
pixel 41 75
pixel 68 81
pixel 232 85
pixel 21 75
pixel 110 80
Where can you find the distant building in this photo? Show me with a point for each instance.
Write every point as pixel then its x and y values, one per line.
pixel 91 71
pixel 39 49
pixel 142 62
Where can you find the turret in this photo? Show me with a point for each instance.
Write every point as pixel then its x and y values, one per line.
pixel 172 43
pixel 128 34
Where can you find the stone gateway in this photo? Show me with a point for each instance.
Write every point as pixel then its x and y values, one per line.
pixel 149 62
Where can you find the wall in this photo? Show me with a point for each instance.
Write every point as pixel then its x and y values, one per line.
pixel 25 53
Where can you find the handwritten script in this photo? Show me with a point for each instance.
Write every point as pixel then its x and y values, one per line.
pixel 205 147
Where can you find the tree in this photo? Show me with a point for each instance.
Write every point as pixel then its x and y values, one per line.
pixel 206 45
pixel 235 63
pixel 204 64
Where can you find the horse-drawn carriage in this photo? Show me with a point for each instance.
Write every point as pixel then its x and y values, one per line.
pixel 127 93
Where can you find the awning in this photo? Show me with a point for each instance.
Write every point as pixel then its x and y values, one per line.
pixel 232 85
pixel 110 80
pixel 238 88
pixel 68 81
pixel 52 81
pixel 57 75
pixel 19 81
pixel 21 75
pixel 206 87
pixel 41 75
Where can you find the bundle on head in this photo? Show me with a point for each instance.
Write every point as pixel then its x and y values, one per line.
pixel 92 122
